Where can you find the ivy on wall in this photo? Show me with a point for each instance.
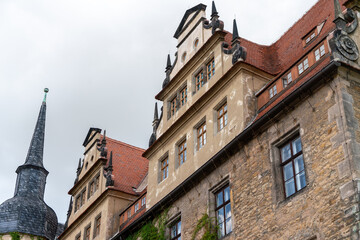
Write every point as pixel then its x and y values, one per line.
pixel 210 230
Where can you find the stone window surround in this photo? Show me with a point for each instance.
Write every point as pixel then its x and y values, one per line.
pixel 203 67
pixel 95 225
pixel 176 160
pixel 195 131
pixel 85 229
pixel 163 157
pixel 79 199
pixel 172 220
pixel 215 114
pixel 94 182
pixel 225 181
pixel 176 96
pixel 275 161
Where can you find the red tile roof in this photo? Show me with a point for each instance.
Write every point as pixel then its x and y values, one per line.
pixel 129 167
pixel 288 49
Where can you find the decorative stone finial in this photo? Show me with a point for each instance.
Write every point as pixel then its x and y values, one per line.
pixel 214 12
pixel 46 90
pixel 168 63
pixel 235 32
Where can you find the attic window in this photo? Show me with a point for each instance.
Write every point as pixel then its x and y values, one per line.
pixel 272 91
pixel 309 37
pixel 303 66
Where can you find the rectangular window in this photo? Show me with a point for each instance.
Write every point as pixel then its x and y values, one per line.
pixel 77 202
pixel 164 168
pixel 143 201
pixel 175 231
pixel 87 233
pixel 91 188
pixel 182 152
pixel 199 80
pixel 272 91
pixel 173 106
pixel 97 182
pixel 222 117
pixel 287 80
pixel 129 213
pixel 310 36
pixel 303 66
pixel 293 168
pixel 223 212
pixel 210 69
pixel 183 96
pixel 319 52
pixel 82 202
pixel 137 207
pixel 97 226
pixel 201 136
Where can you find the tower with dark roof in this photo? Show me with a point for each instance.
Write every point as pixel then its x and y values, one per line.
pixel 27 213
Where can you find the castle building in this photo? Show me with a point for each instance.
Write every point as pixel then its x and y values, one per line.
pixel 253 141
pixel 26 215
pixel 110 176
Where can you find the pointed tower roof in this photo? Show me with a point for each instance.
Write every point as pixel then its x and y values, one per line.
pixel 156 115
pixel 235 31
pixel 168 63
pixel 27 212
pixel 214 12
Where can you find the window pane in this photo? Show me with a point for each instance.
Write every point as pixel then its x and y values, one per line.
pixel 221 230
pixel 228 211
pixel 204 138
pixel 225 117
pixel 288 171
pixel 228 226
pixel 296 146
pixel 220 215
pixel 300 181
pixel 219 199
pixel 290 187
pixel 227 194
pixel 299 164
pixel 173 231
pixel 285 153
pixel 179 228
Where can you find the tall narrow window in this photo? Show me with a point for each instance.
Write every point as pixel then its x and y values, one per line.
pixel 272 91
pixel 129 213
pixel 143 201
pixel 183 96
pixel 319 52
pixel 201 135
pixel 199 80
pixel 97 182
pixel 97 226
pixel 77 202
pixel 82 202
pixel 182 152
pixel 287 80
pixel 222 117
pixel 173 106
pixel 223 212
pixel 293 168
pixel 164 168
pixel 87 233
pixel 92 188
pixel 210 69
pixel 175 231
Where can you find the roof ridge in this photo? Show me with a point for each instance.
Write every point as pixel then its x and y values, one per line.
pixel 125 144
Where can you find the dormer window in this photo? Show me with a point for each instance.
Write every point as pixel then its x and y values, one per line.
pixel 319 52
pixel 272 91
pixel 303 66
pixel 309 37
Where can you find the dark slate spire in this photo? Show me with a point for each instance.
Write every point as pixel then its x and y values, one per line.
pixel 27 212
pixel 108 172
pixel 156 115
pixel 214 12
pixel 168 63
pixel 235 32
pixel 155 124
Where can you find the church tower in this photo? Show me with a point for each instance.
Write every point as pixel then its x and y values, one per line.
pixel 26 213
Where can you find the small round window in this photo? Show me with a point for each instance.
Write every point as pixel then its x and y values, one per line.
pixel 183 57
pixel 196 43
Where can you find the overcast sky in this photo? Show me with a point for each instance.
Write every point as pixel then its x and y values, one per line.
pixel 103 61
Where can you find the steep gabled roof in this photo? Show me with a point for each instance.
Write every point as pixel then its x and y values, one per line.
pixel 129 167
pixel 195 10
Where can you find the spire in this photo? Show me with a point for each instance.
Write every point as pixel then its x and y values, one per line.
pixel 235 32
pixel 168 63
pixel 108 172
pixel 79 167
pixel 214 12
pixel 36 149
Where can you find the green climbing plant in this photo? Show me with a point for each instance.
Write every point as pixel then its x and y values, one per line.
pixel 152 230
pixel 210 230
pixel 15 236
